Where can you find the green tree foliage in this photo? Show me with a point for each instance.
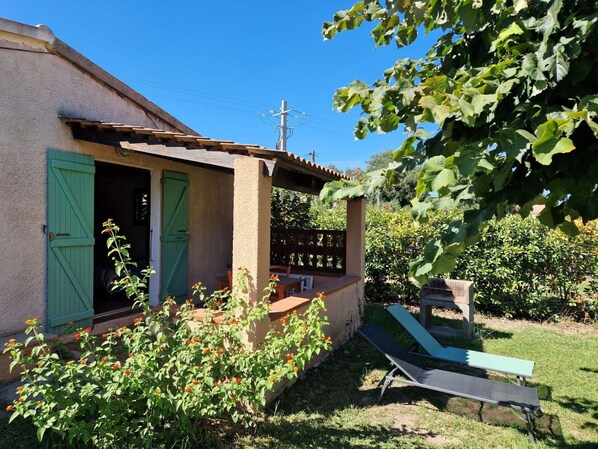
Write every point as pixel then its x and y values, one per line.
pixel 291 210
pixel 512 86
pixel 402 190
pixel 379 161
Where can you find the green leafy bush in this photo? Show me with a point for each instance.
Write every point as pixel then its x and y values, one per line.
pixel 521 268
pixel 162 380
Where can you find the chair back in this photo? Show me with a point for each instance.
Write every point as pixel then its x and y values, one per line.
pixel 415 329
pixel 286 269
pixel 392 350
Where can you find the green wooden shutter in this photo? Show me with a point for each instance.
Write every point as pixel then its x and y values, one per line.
pixel 70 239
pixel 175 235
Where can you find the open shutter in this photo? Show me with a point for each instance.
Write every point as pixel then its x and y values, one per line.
pixel 175 235
pixel 70 240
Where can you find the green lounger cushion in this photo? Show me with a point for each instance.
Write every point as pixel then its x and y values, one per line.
pixel 475 359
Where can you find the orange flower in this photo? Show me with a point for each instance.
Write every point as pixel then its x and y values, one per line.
pixel 194 381
pixel 289 356
pixel 19 389
pixel 122 328
pixel 103 359
pixel 239 380
pixel 21 399
pixel 220 352
pixel 295 368
pixel 138 320
pixel 130 355
pixel 188 390
pixel 10 408
pixel 115 366
pixel 284 320
pixel 206 350
pixel 127 372
pixel 271 379
pixel 88 329
pixel 77 336
pixel 195 339
pixel 83 361
pixel 104 336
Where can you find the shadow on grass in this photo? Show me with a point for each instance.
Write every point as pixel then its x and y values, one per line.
pixel 313 433
pixel 548 427
pixel 349 378
pixel 582 406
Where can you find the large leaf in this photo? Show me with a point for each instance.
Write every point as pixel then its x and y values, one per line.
pixel 444 178
pixel 508 86
pixel 550 143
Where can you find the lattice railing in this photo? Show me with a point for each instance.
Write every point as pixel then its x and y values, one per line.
pixel 309 250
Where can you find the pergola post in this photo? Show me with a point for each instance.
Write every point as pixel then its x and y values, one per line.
pixel 251 231
pixel 355 262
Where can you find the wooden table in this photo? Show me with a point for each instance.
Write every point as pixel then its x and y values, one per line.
pixel 284 284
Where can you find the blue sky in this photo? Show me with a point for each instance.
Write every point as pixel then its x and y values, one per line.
pixel 217 66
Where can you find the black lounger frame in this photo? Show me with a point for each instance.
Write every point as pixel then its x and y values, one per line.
pixel 506 394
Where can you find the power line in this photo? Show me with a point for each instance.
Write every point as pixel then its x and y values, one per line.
pixel 285 131
pixel 198 93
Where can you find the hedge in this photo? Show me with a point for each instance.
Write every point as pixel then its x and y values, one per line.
pixel 519 267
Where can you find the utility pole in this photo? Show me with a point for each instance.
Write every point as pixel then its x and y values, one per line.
pixel 282 128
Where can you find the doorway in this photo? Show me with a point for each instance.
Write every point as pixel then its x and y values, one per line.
pixel 122 194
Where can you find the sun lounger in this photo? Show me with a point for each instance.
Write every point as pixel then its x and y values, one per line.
pixel 501 393
pixel 509 365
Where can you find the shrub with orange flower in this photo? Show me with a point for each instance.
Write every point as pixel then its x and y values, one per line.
pixel 174 359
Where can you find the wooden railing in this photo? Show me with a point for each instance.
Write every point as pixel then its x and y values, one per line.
pixel 309 250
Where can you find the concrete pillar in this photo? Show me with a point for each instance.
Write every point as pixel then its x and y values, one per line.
pixel 251 230
pixel 356 244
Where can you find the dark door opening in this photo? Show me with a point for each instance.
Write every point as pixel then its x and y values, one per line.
pixel 123 194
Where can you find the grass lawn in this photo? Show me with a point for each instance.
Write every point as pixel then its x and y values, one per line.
pixel 334 405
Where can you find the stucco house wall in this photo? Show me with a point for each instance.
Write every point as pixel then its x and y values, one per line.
pixel 36 87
